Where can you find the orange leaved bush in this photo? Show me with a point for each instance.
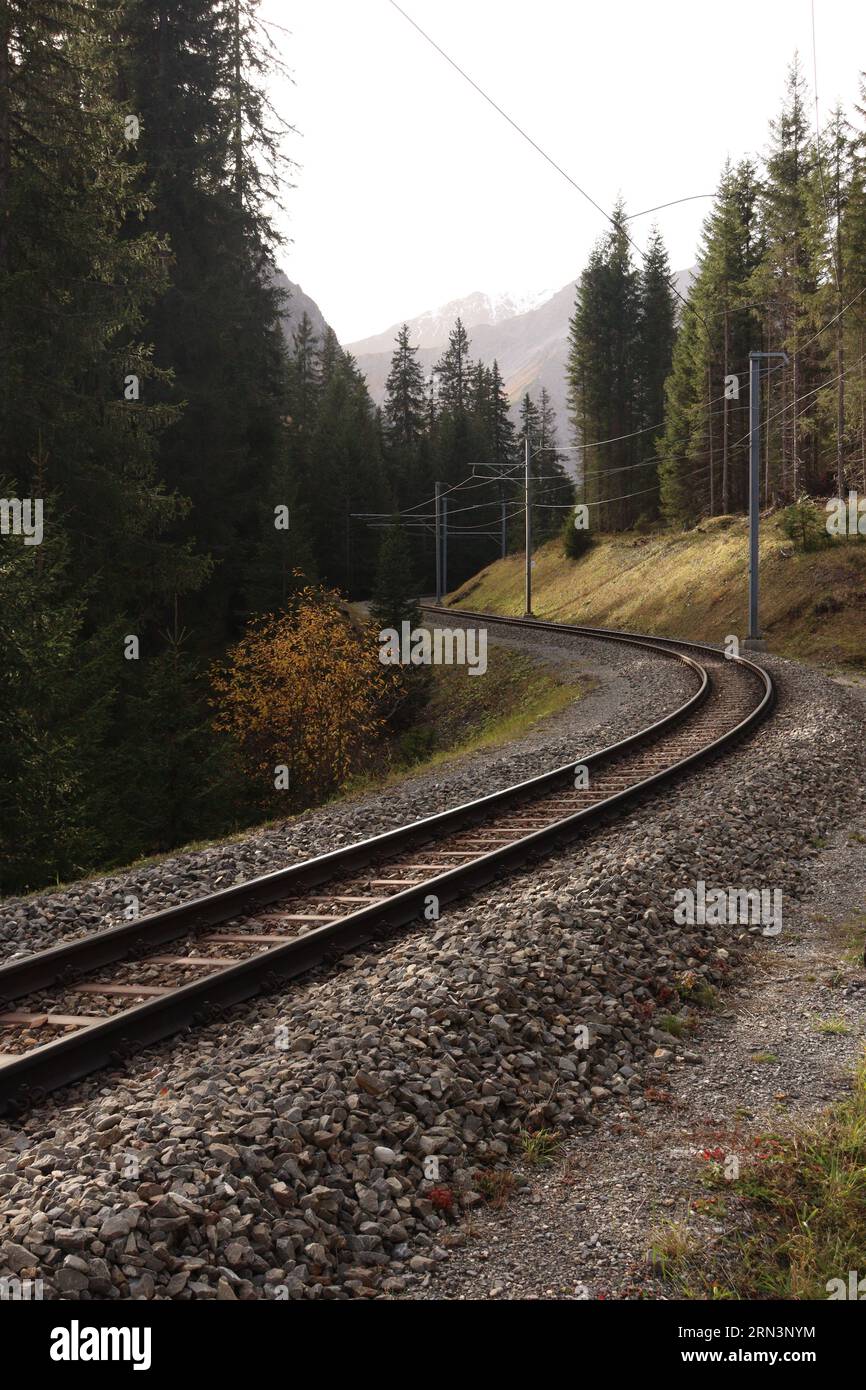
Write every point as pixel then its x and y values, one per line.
pixel 303 690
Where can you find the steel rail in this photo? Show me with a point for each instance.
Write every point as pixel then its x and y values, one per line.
pixel 109 1040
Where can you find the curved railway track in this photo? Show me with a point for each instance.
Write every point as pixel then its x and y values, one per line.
pixel 94 1001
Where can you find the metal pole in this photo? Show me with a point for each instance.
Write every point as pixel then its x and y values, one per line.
pixel 502 510
pixel 445 544
pixel 754 638
pixel 438 550
pixel 754 489
pixel 527 498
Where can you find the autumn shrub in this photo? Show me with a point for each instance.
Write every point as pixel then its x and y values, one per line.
pixel 304 697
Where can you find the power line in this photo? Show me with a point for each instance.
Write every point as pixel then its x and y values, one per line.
pixel 603 501
pixel 693 197
pixel 805 396
pixel 534 143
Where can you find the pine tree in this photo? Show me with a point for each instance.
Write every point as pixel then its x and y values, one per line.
pixel 603 372
pixel 404 395
pixel 704 448
pixel 192 71
pixel 656 334
pixel 394 597
pixel 785 283
pixel 454 372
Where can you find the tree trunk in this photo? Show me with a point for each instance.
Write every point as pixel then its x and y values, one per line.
pixel 726 485
pixel 710 436
pixel 862 416
pixel 5 189
pixel 238 130
pixel 5 138
pixel 840 359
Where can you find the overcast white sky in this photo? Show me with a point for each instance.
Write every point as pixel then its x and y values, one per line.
pixel 412 191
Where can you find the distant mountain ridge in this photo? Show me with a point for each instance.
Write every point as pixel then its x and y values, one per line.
pixel 431 329
pixel 530 342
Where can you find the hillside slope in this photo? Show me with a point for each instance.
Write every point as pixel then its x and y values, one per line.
pixel 695 585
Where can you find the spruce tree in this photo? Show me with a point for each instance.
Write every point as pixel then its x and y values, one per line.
pixel 54 706
pixel 785 283
pixel 405 424
pixel 854 272
pixel 192 71
pixel 454 372
pixel 656 334
pixel 552 488
pixel 404 395
pixel 603 373
pixel 395 590
pixel 77 273
pixel 500 425
pixel 704 446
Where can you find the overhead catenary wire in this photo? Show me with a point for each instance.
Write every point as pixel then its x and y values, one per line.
pixel 603 501
pixel 687 303
pixel 789 405
pixel 517 507
pixel 535 145
pixel 472 480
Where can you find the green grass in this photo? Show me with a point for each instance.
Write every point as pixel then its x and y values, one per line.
pixel 800 1214
pixel 833 1026
pixel 671 1023
pixel 852 934
pixel 540 1146
pixel 465 713
pixel 695 585
pixel 694 990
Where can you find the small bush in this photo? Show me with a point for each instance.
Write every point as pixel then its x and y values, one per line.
pixel 576 541
pixel 305 690
pixel 417 744
pixel 805 524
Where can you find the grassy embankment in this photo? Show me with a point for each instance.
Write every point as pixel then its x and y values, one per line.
pixel 466 712
pixel 695 585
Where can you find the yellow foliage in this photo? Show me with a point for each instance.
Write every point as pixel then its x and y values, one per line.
pixel 304 689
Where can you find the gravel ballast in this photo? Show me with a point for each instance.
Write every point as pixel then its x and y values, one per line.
pixel 330 1141
pixel 633 690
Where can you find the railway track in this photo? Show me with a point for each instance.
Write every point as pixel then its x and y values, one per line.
pixel 94 1001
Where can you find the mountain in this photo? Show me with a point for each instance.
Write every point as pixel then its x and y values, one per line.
pixel 431 329
pixel 295 306
pixel 529 341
